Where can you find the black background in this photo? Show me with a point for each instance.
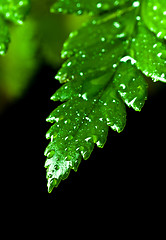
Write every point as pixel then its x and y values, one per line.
pixel 131 166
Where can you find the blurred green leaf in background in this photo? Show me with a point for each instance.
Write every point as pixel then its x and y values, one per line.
pixel 30 44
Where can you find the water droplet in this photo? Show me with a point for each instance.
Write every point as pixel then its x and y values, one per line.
pixel 60 9
pixel 99 143
pixel 121 35
pixel 126 58
pixel 159 54
pixel 69 64
pixel 99 5
pixel 87 139
pixel 103 39
pixel 3 49
pixel 138 18
pixel 159 34
pixel 51 154
pixel 116 24
pixel 78 5
pixel 123 86
pixel 87 118
pixel 136 4
pixel 114 65
pixel 79 12
pixel 84 96
pixel 154 8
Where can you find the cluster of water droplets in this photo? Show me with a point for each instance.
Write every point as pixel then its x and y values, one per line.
pixel 92 7
pixel 150 53
pixel 14 10
pixel 154 16
pixel 107 41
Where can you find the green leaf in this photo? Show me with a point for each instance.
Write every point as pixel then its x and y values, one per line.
pixel 154 16
pixel 79 124
pixel 105 55
pixel 108 61
pixel 131 85
pixel 149 53
pixel 15 11
pixel 4 36
pixel 81 6
pixel 99 30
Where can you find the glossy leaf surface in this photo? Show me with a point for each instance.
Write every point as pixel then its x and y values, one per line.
pixel 107 62
pixel 154 16
pixel 131 85
pixel 149 53
pixel 79 124
pixel 81 6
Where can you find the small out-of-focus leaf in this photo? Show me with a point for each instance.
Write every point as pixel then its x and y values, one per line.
pixel 14 10
pixel 4 36
pixel 20 62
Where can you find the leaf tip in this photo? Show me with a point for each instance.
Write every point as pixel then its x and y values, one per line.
pixel 51 184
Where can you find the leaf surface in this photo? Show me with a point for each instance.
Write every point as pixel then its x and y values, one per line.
pixel 81 6
pixel 149 53
pixel 107 62
pixel 131 85
pixel 79 124
pixel 154 16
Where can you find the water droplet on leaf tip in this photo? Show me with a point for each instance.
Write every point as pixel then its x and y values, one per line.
pixel 50 154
